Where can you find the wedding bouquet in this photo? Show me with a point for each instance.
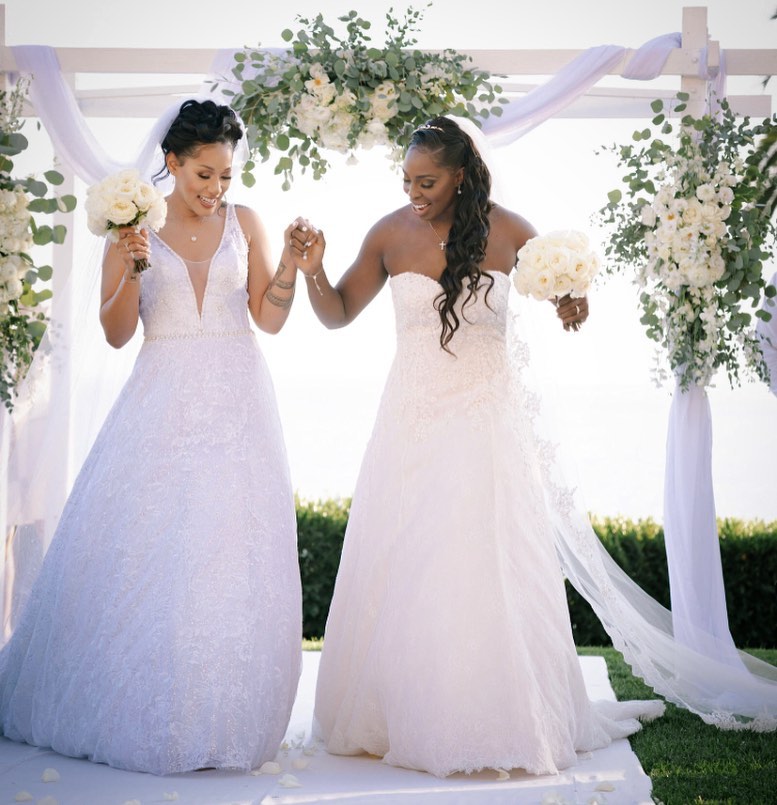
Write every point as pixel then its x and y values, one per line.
pixel 123 199
pixel 554 265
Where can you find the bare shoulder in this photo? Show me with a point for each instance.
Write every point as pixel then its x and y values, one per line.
pixel 250 222
pixel 511 226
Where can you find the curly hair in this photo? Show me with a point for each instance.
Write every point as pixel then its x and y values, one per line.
pixel 199 123
pixel 452 148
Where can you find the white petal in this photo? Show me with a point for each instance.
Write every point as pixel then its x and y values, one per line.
pixel 605 787
pixel 47 801
pixel 171 796
pixel 289 781
pixel 502 775
pixel 270 767
pixel 300 763
pixel 23 796
pixel 50 776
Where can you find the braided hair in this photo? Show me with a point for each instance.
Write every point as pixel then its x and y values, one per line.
pixel 450 147
pixel 199 123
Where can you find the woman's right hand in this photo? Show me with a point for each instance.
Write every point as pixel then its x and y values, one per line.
pixel 133 245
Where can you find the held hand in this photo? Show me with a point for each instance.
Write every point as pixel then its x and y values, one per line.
pixel 133 248
pixel 572 311
pixel 306 245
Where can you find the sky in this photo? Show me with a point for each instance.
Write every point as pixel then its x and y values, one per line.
pixel 612 417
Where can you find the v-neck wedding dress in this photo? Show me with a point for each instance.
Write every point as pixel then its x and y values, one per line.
pixel 164 631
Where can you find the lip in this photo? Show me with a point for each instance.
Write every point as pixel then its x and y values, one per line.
pixel 210 203
pixel 419 209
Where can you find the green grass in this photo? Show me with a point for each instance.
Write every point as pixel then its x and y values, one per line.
pixel 693 763
pixel 690 762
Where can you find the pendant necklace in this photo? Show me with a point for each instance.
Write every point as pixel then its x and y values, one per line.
pixel 443 243
pixel 194 237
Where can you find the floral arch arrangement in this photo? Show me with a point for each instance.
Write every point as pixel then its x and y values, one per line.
pixel 693 225
pixel 342 93
pixel 22 319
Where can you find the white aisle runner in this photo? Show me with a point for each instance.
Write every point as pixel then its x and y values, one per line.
pixel 309 775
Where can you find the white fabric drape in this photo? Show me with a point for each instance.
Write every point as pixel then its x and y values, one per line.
pixel 767 333
pixel 730 696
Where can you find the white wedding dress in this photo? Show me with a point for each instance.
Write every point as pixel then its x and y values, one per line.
pixel 163 633
pixel 448 645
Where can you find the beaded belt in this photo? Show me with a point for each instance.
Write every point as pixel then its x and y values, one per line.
pixel 200 334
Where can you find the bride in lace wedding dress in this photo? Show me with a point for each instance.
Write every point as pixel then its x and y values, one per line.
pixel 163 633
pixel 448 645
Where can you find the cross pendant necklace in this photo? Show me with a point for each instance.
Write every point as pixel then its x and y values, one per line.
pixel 443 243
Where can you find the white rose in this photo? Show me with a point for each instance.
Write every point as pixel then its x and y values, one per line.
pixel 121 211
pixel 562 285
pixel 13 288
pixel 648 215
pixel 542 285
pixel 705 192
pixel 145 195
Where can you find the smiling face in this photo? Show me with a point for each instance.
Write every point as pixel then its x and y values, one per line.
pixel 202 179
pixel 430 187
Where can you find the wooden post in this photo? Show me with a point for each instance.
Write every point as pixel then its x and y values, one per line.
pixel 695 38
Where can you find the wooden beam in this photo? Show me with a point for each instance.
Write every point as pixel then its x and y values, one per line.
pixel 193 61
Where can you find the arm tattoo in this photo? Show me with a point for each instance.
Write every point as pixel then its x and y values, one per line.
pixel 277 281
pixel 278 301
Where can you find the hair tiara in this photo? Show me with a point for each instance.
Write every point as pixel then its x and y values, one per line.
pixel 427 127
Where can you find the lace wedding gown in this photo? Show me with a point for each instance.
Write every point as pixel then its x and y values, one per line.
pixel 448 645
pixel 164 631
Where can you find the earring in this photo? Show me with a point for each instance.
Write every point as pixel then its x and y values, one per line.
pixel 458 189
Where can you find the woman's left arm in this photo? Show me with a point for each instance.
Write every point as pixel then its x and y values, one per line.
pixel 270 290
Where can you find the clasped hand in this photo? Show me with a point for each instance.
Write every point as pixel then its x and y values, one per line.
pixel 306 245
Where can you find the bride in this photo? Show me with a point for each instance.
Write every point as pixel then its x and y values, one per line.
pixel 163 633
pixel 448 646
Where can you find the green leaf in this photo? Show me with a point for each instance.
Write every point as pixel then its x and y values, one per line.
pixel 614 196
pixel 287 35
pixel 67 203
pixel 43 205
pixel 282 142
pixel 45 273
pixel 657 105
pixel 58 233
pixel 54 177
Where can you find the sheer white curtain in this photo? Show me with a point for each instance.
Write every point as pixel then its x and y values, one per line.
pixel 745 695
pixel 767 332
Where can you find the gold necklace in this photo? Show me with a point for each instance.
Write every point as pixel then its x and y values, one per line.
pixel 443 243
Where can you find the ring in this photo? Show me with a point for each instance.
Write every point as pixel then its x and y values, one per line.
pixel 577 310
pixel 126 246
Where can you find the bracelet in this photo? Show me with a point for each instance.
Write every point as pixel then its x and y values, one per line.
pixel 314 277
pixel 133 277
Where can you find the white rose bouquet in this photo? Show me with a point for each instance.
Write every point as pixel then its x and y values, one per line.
pixel 558 264
pixel 123 199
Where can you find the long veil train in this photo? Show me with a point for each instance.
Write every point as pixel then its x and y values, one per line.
pixel 738 692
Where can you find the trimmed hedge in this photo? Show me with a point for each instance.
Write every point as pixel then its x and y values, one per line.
pixel 748 553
